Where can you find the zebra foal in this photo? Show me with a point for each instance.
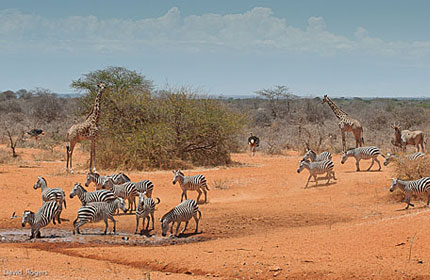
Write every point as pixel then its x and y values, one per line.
pixel 51 194
pixel 362 153
pixel 410 187
pixel 312 156
pixel 145 208
pixel 97 211
pixel 87 197
pixel 315 168
pixel 181 213
pixel 193 183
pixel 47 212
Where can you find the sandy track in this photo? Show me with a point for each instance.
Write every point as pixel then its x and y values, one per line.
pixel 262 224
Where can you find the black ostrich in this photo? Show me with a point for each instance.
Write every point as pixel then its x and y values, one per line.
pixel 36 133
pixel 253 143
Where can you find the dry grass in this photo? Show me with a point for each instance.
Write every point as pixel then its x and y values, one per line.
pixel 221 184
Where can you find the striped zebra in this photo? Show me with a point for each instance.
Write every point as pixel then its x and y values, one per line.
pixel 47 212
pixel 412 157
pixel 98 179
pixel 318 167
pixel 145 207
pixel 51 194
pixel 409 187
pixel 145 186
pixel 312 156
pixel 86 197
pixel 181 213
pixel 127 191
pixel 97 211
pixel 363 153
pixel 194 183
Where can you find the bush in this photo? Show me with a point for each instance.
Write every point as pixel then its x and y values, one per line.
pixel 140 128
pixel 412 170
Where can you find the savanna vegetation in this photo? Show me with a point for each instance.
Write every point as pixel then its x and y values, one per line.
pixel 144 127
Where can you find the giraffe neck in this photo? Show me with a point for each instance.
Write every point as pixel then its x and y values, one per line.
pixel 336 110
pixel 95 112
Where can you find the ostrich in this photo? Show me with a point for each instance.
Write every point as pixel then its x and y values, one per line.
pixel 253 143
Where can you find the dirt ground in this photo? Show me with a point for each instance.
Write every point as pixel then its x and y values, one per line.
pixel 260 223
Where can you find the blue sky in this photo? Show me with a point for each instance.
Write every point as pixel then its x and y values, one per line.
pixel 343 48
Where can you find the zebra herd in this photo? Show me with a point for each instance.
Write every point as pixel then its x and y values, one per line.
pixel 110 195
pixel 322 163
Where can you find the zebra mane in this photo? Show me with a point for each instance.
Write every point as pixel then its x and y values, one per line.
pixel 167 214
pixel 125 176
pixel 80 186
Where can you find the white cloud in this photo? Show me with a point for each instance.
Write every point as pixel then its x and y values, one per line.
pixel 257 30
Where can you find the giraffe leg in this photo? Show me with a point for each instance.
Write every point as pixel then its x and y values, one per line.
pixel 343 141
pixel 72 147
pixel 93 156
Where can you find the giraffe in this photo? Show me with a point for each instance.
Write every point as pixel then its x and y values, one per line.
pixel 346 124
pixel 86 130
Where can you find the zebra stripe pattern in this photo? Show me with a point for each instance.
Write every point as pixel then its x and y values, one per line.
pixel 312 156
pixel 87 197
pixel 125 191
pixel 363 153
pixel 412 157
pixel 145 208
pixel 97 211
pixel 51 194
pixel 98 180
pixel 193 183
pixel 410 187
pixel 181 213
pixel 318 167
pixel 145 186
pixel 49 211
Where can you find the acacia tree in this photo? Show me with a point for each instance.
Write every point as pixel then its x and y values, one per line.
pixel 277 97
pixel 141 128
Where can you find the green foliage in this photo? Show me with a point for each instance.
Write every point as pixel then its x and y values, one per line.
pixel 140 128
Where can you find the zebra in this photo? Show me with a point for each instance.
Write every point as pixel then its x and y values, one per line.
pixel 51 194
pixel 412 157
pixel 318 167
pixel 127 191
pixel 312 156
pixel 47 212
pixel 97 211
pixel 98 180
pixel 181 213
pixel 87 197
pixel 195 183
pixel 145 186
pixel 145 207
pixel 409 187
pixel 363 153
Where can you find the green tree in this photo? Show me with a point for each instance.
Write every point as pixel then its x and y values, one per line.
pixel 140 128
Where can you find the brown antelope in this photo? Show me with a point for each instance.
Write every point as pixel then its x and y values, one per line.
pixel 407 137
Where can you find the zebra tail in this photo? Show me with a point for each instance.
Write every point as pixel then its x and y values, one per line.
pixel 362 140
pixel 64 201
pixel 200 214
pixel 158 201
pixel 74 222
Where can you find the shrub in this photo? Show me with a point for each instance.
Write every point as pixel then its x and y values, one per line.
pixel 140 128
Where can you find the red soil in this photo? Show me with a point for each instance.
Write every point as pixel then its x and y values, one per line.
pixel 260 223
